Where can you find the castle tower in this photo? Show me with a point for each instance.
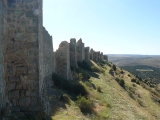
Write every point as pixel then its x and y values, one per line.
pixel 63 60
pixel 87 57
pixel 21 57
pixel 73 53
pixel 91 54
pixel 80 48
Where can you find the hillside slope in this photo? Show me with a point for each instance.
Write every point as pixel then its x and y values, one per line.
pixel 112 95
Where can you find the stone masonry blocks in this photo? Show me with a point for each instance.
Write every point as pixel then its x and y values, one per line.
pixel 73 53
pixel 23 55
pixel 87 55
pixel 83 51
pixel 91 54
pixel 101 56
pixel 63 60
pixel 80 52
pixel 105 57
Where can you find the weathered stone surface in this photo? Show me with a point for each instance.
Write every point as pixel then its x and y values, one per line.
pixel 63 60
pixel 91 54
pixel 101 56
pixel 96 55
pixel 26 56
pixel 87 54
pixel 83 51
pixel 24 101
pixel 27 59
pixel 73 53
pixel 80 51
pixel 105 57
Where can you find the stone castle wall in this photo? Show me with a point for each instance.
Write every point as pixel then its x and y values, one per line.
pixel 101 56
pixel 23 41
pixel 87 55
pixel 73 53
pixel 27 60
pixel 83 51
pixel 79 50
pixel 48 68
pixel 63 60
pixel 105 57
pixel 96 55
pixel 91 54
pixel 2 32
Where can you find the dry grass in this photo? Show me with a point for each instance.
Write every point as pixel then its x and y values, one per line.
pixel 115 102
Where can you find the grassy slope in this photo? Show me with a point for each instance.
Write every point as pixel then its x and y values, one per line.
pixel 113 103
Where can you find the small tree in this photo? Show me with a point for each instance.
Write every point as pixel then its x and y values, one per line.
pixel 114 67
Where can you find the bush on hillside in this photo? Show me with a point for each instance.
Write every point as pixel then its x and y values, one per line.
pixel 114 67
pixel 122 72
pixel 66 99
pixel 84 104
pixel 121 82
pixel 83 76
pixel 84 65
pixel 99 89
pixel 75 88
pixel 133 80
pixel 111 72
pixel 97 69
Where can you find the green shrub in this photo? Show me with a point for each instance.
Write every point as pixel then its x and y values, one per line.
pixel 65 98
pixel 75 88
pixel 137 82
pixel 122 72
pixel 88 84
pixel 99 89
pixel 133 80
pixel 80 75
pixel 117 79
pixel 84 104
pixel 114 67
pixel 134 85
pixel 111 71
pixel 109 64
pixel 141 103
pixel 84 75
pixel 84 65
pixel 97 69
pixel 80 89
pixel 122 83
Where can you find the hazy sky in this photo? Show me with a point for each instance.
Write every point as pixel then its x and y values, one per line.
pixel 110 26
